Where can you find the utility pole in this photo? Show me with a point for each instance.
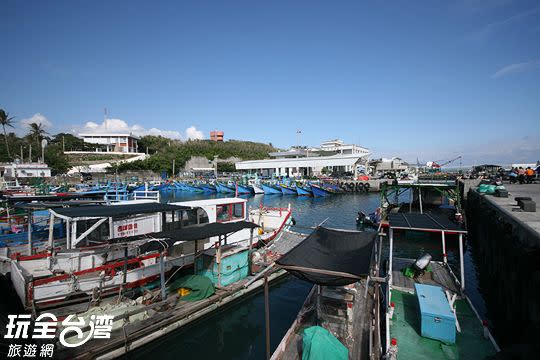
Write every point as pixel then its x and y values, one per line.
pixel 30 153
pixel 298 133
pixel 173 163
pixel 63 144
pixel 215 165
pixel 22 156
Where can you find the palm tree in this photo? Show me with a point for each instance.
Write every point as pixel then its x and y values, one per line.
pixel 37 132
pixel 5 120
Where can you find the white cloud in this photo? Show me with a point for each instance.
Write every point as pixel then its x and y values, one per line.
pixel 515 68
pixel 38 119
pixel 490 29
pixel 118 125
pixel 193 133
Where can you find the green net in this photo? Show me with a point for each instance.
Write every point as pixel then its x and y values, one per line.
pixel 320 344
pixel 200 287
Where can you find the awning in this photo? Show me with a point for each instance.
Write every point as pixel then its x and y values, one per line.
pixel 59 197
pixel 102 211
pixel 164 239
pixel 331 257
pixel 59 204
pixel 423 222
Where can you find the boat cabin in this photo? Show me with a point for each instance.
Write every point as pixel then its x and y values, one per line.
pixel 220 209
pixel 95 224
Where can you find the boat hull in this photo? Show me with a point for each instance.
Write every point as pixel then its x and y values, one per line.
pixel 287 190
pixel 208 188
pixel 224 189
pixel 319 191
pixel 242 189
pixel 304 191
pixel 270 190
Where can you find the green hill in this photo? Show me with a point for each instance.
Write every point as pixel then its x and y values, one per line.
pixel 163 151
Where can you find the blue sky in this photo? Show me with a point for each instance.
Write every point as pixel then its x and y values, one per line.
pixel 430 79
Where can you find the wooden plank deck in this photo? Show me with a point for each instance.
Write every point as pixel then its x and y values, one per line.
pixel 440 276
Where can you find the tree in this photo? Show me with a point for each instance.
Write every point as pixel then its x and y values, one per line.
pixel 37 132
pixel 6 120
pixel 56 159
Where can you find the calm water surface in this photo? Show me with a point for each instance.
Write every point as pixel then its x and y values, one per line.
pixel 237 332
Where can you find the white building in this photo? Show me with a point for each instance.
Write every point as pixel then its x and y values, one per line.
pixel 339 147
pixel 334 154
pixel 125 143
pixel 28 170
pixel 303 166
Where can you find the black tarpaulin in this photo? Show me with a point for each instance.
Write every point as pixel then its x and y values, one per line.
pixel 190 233
pixel 331 257
pixel 425 221
pixel 100 211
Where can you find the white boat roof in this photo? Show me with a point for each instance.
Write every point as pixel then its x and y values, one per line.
pixel 210 202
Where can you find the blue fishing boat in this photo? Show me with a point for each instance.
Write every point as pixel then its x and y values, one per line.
pixel 180 186
pixel 304 191
pixel 193 188
pixel 332 188
pixel 224 189
pixel 287 190
pixel 270 190
pixel 319 191
pixel 208 188
pixel 244 189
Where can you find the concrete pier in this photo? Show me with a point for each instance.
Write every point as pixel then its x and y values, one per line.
pixel 506 248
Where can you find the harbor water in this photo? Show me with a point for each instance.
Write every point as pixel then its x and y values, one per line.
pixel 238 331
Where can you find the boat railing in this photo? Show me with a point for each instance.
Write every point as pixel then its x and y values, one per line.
pixel 146 195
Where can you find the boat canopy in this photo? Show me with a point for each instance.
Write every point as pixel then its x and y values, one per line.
pixel 423 222
pixel 57 204
pixel 331 257
pixel 104 211
pixel 164 239
pixel 30 198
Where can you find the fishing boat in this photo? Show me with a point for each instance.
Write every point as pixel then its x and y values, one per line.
pixel 304 190
pixel 257 189
pixel 45 279
pixel 224 189
pixel 340 317
pixel 255 184
pixel 244 189
pixel 270 189
pixel 208 188
pixel 428 311
pixel 319 191
pixel 287 189
pixel 192 188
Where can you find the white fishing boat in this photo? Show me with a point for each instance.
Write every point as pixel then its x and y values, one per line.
pixel 107 246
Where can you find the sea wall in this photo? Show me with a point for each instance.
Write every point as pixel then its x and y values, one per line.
pixel 507 253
